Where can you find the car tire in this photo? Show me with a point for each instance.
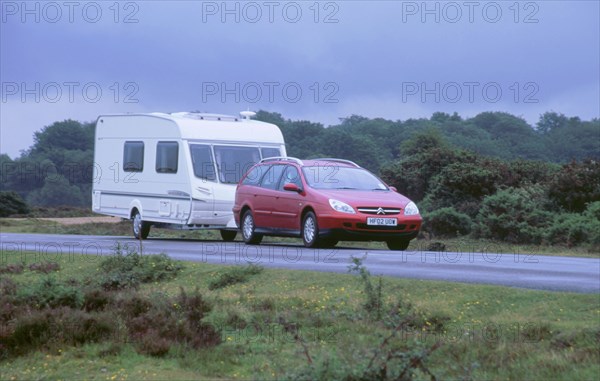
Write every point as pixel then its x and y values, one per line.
pixel 310 231
pixel 228 235
pixel 398 244
pixel 248 229
pixel 140 228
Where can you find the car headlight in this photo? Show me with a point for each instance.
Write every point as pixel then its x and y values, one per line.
pixel 411 209
pixel 341 206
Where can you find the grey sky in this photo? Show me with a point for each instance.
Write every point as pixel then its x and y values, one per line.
pixel 316 61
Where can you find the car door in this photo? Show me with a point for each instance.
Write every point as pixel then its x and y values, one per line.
pixel 265 197
pixel 288 204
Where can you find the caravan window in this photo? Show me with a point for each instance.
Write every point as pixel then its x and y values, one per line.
pixel 234 161
pixel 204 166
pixel 270 152
pixel 133 157
pixel 167 154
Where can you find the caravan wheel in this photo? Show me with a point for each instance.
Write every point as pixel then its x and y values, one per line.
pixel 141 229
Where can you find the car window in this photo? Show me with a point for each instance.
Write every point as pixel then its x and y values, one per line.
pixel 291 175
pixel 255 175
pixel 271 178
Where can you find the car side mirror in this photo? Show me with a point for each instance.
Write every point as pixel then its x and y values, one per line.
pixel 394 189
pixel 292 187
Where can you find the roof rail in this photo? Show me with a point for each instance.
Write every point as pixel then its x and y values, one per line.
pixel 337 161
pixel 282 158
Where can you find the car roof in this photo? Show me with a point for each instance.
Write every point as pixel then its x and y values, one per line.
pixel 328 161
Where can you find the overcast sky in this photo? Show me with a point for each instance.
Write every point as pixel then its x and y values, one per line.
pixel 307 60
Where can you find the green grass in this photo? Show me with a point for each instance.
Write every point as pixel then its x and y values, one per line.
pixel 487 332
pixel 123 228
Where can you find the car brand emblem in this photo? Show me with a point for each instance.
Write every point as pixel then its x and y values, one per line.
pixel 380 211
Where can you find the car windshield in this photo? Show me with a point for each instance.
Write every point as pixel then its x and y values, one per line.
pixel 340 177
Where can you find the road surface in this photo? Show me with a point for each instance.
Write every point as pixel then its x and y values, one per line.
pixel 515 270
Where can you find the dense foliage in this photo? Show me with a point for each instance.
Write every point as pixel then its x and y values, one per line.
pixel 493 174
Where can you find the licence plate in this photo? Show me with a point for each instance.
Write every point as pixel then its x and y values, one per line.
pixel 380 221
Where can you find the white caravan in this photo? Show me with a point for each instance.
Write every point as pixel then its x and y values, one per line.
pixel 177 170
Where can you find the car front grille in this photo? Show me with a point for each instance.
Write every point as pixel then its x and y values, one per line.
pixel 378 210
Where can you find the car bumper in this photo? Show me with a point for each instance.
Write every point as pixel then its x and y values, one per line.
pixel 353 227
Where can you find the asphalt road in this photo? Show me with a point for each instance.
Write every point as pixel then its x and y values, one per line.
pixel 516 270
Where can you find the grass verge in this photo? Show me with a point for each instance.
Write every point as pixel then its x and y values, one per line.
pixel 272 321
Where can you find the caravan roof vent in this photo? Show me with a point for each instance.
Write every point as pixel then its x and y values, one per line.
pixel 203 116
pixel 246 115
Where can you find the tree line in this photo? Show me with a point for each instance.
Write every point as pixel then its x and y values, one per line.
pixel 492 175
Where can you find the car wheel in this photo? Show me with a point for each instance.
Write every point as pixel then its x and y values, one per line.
pixel 141 228
pixel 228 235
pixel 398 244
pixel 248 229
pixel 310 230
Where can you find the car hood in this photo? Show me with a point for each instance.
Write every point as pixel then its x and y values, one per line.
pixel 357 198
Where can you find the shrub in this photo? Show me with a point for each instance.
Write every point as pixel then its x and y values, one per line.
pixel 576 185
pixel 44 267
pixel 130 269
pixel 572 229
pixel 61 325
pixel 514 215
pixel 176 320
pixel 234 275
pixel 153 344
pixel 96 299
pixel 11 203
pixel 447 222
pixel 7 287
pixel 12 268
pixel 463 185
pixel 51 293
pixel 374 303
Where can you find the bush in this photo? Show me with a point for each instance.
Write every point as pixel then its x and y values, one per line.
pixel 172 321
pixel 11 203
pixel 51 293
pixel 576 185
pixel 57 326
pixel 44 267
pixel 13 268
pixel 130 269
pixel 96 300
pixel 514 215
pixel 573 229
pixel 234 275
pixel 464 185
pixel 447 222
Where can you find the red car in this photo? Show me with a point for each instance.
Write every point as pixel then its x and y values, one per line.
pixel 323 201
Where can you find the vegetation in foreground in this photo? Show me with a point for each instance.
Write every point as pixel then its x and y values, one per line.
pixel 149 317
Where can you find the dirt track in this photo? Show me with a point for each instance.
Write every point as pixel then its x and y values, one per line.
pixel 83 220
